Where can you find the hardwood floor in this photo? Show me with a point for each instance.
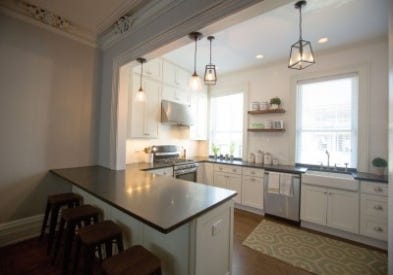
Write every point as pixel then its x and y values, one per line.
pixel 29 257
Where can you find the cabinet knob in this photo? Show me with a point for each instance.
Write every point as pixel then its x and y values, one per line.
pixel 378 189
pixel 325 193
pixel 220 168
pixel 146 134
pixel 378 229
pixel 378 207
pixel 253 172
pixel 234 170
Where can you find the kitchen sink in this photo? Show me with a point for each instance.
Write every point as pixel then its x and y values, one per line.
pixel 330 179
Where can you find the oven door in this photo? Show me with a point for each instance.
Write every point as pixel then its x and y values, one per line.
pixel 190 176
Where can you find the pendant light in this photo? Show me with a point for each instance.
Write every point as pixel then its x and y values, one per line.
pixel 210 69
pixel 195 82
pixel 140 95
pixel 301 55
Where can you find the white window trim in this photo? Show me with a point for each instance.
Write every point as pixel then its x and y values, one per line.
pixel 222 90
pixel 363 72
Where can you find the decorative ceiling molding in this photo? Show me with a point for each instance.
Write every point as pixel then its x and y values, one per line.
pixel 33 14
pixel 129 23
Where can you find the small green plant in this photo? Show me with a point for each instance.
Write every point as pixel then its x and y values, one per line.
pixel 215 149
pixel 275 101
pixel 379 162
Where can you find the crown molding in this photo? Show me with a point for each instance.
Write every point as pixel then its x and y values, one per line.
pixel 42 18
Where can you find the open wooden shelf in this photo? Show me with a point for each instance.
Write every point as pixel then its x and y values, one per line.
pixel 270 111
pixel 265 130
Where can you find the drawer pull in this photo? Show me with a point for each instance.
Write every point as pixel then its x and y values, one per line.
pixel 220 168
pixel 325 193
pixel 253 172
pixel 234 170
pixel 378 207
pixel 378 229
pixel 378 189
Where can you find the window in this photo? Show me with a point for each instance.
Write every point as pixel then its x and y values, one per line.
pixel 326 121
pixel 226 124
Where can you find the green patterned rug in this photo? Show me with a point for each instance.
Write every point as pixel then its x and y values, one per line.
pixel 313 252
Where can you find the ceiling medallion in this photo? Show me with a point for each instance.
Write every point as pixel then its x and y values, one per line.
pixel 123 24
pixel 45 16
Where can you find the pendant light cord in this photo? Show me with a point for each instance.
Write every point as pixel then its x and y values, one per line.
pixel 195 54
pixel 210 51
pixel 140 86
pixel 300 23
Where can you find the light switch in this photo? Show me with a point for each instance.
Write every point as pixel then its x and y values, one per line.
pixel 217 227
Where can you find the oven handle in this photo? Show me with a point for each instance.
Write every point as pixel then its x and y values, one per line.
pixel 185 171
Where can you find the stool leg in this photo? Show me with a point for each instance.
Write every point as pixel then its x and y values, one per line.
pixel 68 246
pixel 77 252
pixel 119 241
pixel 47 210
pixel 58 239
pixel 89 258
pixel 108 249
pixel 52 228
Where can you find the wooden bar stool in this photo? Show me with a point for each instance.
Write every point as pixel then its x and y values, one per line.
pixel 53 205
pixel 92 237
pixel 135 260
pixel 70 219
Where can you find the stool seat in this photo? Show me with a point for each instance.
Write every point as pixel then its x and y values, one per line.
pixel 98 233
pixel 64 198
pixel 135 260
pixel 79 213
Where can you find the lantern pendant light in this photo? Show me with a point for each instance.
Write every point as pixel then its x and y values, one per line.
pixel 210 70
pixel 301 55
pixel 195 82
pixel 140 95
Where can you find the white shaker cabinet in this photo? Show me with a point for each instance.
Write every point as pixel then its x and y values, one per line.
pixel 252 187
pixel 144 117
pixel 230 177
pixel 331 207
pixel 175 76
pixel 205 173
pixel 152 69
pixel 374 210
pixel 175 94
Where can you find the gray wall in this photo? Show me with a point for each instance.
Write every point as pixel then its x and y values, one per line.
pixel 47 114
pixel 390 211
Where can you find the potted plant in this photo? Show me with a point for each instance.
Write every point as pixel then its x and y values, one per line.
pixel 380 165
pixel 275 102
pixel 215 150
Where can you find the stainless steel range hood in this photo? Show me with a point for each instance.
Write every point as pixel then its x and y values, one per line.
pixel 175 113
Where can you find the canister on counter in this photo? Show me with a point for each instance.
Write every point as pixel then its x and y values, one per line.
pixel 251 158
pixel 259 157
pixel 267 159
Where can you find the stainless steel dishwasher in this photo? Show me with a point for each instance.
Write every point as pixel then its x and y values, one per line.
pixel 282 195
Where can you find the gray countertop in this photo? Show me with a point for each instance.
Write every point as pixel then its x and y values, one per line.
pixel 164 203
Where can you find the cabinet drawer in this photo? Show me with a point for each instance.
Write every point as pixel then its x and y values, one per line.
pixel 254 172
pixel 375 206
pixel 374 188
pixel 228 168
pixel 374 228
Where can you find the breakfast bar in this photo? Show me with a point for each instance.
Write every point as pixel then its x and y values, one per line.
pixel 188 225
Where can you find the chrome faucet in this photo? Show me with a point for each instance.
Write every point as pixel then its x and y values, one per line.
pixel 328 158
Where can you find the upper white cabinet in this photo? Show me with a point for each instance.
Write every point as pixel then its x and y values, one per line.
pixel 175 94
pixel 175 76
pixel 152 69
pixel 199 102
pixel 144 116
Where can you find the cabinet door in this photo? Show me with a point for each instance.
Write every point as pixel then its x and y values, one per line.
pixel 234 182
pixel 201 173
pixel 209 173
pixel 144 116
pixel 154 69
pixel 220 179
pixel 343 210
pixel 252 192
pixel 313 204
pixel 198 101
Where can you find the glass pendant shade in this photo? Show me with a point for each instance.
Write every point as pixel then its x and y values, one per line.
pixel 301 55
pixel 195 82
pixel 140 94
pixel 210 69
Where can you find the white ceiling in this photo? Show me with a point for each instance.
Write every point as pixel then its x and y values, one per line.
pixel 271 34
pixel 93 15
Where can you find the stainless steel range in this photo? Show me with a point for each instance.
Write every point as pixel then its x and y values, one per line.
pixel 182 168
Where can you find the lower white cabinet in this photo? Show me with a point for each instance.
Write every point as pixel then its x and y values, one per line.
pixel 332 207
pixel 374 210
pixel 205 173
pixel 252 187
pixel 229 176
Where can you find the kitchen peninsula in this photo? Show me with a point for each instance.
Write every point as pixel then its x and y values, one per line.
pixel 183 223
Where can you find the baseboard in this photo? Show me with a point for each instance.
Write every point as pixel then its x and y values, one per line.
pixel 249 209
pixel 346 235
pixel 19 230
